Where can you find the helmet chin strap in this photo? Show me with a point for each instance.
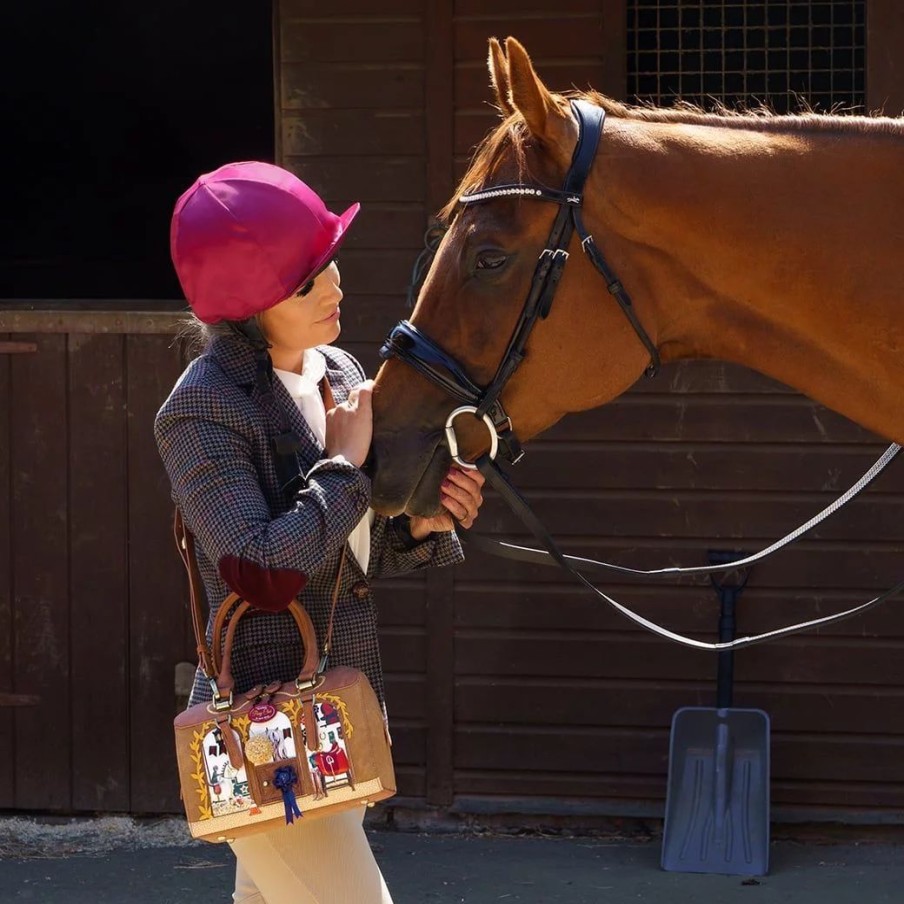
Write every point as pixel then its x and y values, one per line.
pixel 286 442
pixel 250 331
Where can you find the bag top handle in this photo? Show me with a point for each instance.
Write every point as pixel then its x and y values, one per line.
pixel 215 664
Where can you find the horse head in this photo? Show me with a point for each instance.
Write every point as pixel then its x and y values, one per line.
pixel 473 298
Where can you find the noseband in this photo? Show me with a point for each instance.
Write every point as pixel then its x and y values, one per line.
pixel 407 343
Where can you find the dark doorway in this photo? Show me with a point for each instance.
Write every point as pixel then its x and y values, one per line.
pixel 111 109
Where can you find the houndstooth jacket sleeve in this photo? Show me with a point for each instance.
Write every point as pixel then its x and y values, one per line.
pixel 215 438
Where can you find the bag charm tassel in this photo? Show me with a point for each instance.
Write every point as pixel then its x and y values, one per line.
pixel 285 780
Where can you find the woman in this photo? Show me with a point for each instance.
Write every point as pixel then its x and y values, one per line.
pixel 263 438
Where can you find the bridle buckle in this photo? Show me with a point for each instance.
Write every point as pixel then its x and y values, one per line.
pixel 452 440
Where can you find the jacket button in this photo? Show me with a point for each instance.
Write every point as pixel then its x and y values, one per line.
pixel 361 590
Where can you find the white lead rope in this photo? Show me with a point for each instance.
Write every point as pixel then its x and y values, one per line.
pixel 542 557
pixel 520 507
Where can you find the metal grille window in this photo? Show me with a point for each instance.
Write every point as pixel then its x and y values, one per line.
pixel 777 52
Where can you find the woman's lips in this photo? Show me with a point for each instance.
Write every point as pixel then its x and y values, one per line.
pixel 333 316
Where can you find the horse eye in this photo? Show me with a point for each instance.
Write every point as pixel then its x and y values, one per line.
pixel 490 261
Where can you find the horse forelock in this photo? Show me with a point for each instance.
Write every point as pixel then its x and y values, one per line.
pixel 508 141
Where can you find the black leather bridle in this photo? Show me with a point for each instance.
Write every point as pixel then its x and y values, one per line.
pixel 407 343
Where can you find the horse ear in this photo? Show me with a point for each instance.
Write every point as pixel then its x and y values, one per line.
pixel 499 77
pixel 533 100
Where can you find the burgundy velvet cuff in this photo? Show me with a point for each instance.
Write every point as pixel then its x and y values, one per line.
pixel 265 588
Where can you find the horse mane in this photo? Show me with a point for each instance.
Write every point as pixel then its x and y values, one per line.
pixel 760 118
pixel 511 134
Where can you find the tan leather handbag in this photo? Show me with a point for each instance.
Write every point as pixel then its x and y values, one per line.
pixel 257 760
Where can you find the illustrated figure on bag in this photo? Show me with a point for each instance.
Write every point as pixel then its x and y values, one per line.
pixel 263 438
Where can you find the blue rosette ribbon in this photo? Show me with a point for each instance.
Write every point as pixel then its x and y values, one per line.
pixel 285 780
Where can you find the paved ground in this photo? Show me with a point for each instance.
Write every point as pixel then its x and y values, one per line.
pixel 444 869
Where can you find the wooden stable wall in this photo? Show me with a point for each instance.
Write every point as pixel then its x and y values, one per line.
pixel 509 689
pixel 92 615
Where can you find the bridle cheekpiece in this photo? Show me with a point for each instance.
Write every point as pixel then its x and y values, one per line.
pixel 407 343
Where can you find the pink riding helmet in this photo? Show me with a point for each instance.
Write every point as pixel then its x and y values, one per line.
pixel 247 236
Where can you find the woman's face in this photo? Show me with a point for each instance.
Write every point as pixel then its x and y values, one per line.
pixel 303 321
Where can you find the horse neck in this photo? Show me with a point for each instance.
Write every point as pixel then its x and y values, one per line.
pixel 778 250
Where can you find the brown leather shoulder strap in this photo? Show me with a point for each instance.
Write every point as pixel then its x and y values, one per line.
pixel 185 543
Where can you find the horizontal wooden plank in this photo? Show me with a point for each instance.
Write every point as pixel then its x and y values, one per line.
pixel 400 603
pixel 801 566
pixel 619 703
pixel 515 9
pixel 583 787
pixel 531 749
pixel 126 316
pixel 866 663
pixel 17 348
pixel 758 418
pixel 730 514
pixel 405 696
pixel 351 85
pixel 372 40
pixel 473 91
pixel 313 9
pixel 366 132
pixel 821 472
pixel 409 742
pixel 574 35
pixel 369 318
pixel 524 606
pixel 396 179
pixel 410 780
pixel 645 752
pixel 381 225
pixel 403 650
pixel 376 272
pixel 514 781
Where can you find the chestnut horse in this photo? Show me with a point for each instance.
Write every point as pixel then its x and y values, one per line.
pixel 776 242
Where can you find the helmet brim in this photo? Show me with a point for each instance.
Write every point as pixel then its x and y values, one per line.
pixel 344 220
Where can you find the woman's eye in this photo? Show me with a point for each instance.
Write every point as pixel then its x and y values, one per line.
pixel 490 261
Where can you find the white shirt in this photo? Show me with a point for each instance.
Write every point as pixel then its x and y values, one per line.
pixel 304 388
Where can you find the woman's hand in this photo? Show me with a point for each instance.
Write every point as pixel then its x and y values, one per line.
pixel 461 496
pixel 350 426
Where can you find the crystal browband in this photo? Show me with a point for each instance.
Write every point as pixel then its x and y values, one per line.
pixel 499 192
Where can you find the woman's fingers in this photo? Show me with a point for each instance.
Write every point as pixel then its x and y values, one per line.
pixel 458 510
pixel 360 395
pixel 461 495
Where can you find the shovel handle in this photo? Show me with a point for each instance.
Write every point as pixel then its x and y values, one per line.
pixel 728 597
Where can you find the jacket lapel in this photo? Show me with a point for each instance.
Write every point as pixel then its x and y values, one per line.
pixel 311 451
pixel 236 358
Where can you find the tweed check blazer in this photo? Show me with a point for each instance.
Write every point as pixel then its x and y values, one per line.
pixel 215 436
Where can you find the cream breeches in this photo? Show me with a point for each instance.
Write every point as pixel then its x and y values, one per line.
pixel 313 861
